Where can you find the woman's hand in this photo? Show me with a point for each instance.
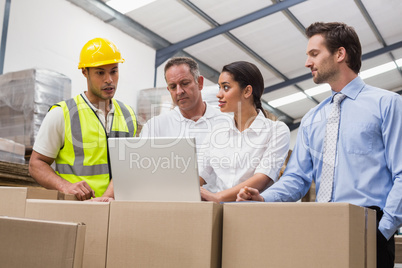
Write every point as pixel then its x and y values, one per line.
pixel 247 193
pixel 208 196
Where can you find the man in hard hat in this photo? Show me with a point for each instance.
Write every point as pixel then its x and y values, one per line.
pixel 74 132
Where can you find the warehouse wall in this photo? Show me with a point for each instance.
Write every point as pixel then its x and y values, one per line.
pixel 50 34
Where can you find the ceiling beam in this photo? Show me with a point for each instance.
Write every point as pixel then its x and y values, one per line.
pixel 294 126
pixel 299 26
pixel 246 48
pixel 304 77
pixel 163 54
pixel 375 30
pixel 122 22
pixel 278 113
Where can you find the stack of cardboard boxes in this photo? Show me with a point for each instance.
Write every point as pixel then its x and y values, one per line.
pixel 25 98
pixel 185 234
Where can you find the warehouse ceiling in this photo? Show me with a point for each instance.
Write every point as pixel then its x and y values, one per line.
pixel 267 33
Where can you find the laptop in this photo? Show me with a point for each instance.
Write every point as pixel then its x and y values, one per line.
pixel 154 169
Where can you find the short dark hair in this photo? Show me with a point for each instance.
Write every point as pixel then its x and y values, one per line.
pixel 246 73
pixel 192 64
pixel 336 35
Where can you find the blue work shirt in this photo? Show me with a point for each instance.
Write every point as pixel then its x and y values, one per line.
pixel 368 166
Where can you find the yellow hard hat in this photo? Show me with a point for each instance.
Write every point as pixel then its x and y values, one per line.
pixel 98 52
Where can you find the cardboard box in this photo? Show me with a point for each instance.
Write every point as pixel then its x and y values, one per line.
pixel 95 215
pixel 33 243
pixel 12 199
pixel 298 235
pixel 70 197
pixel 164 234
pixel 398 248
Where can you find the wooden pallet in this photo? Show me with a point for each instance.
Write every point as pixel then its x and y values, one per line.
pixel 13 174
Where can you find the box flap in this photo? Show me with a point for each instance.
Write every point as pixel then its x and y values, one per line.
pixel 12 201
pixel 37 243
pixel 94 214
pixel 41 193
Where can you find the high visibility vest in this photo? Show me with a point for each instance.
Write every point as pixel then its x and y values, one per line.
pixel 84 155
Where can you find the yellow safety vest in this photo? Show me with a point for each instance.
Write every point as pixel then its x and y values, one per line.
pixel 84 155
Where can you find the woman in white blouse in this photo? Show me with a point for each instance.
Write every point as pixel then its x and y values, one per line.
pixel 252 149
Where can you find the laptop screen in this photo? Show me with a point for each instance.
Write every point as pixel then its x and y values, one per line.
pixel 154 169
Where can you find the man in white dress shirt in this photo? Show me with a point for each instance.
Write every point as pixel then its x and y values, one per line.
pixel 192 117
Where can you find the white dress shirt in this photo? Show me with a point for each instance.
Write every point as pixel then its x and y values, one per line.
pixel 230 157
pixel 174 124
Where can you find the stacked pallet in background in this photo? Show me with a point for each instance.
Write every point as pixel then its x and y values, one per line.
pixel 13 174
pixel 11 151
pixel 25 98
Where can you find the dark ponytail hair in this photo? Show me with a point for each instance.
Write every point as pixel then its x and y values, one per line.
pixel 246 73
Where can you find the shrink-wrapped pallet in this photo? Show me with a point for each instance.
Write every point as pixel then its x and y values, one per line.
pixel 25 98
pixel 11 151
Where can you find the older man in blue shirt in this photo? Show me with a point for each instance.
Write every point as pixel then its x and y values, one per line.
pixel 368 162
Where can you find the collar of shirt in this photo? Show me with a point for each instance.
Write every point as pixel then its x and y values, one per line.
pixel 207 115
pixel 258 124
pixel 106 122
pixel 352 89
pixel 97 111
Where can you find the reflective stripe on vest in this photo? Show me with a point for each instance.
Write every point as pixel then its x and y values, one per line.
pixel 79 168
pixel 129 121
pixel 71 163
